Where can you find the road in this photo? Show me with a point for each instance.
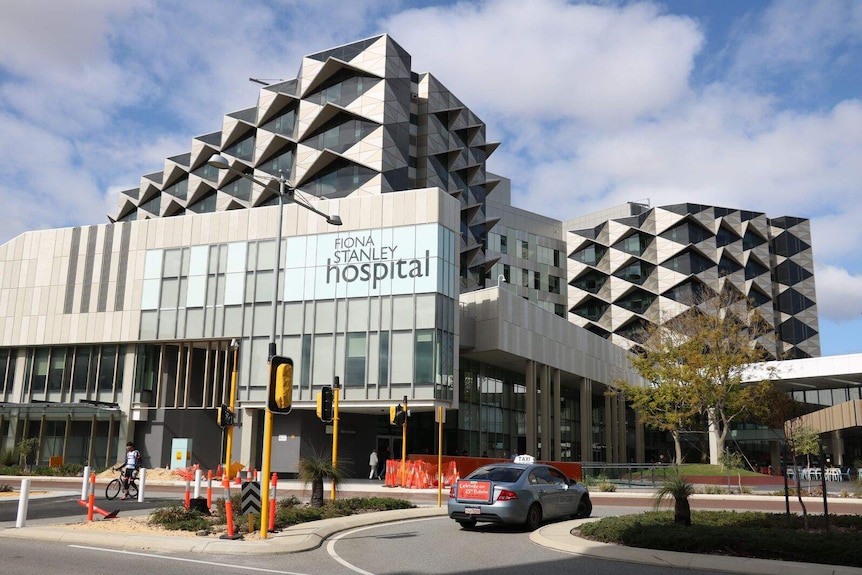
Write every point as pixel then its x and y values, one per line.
pixel 428 546
pixel 434 545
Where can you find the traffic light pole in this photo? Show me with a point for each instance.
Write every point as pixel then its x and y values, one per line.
pixel 336 391
pixel 404 446
pixel 234 344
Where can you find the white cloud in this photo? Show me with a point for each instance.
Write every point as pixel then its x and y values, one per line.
pixel 553 59
pixel 595 103
pixel 797 35
pixel 839 294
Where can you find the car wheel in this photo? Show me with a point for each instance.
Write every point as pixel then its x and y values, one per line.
pixel 585 507
pixel 534 517
pixel 467 523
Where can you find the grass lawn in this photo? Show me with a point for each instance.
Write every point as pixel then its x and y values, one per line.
pixel 738 534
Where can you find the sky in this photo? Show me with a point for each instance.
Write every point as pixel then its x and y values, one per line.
pixel 740 104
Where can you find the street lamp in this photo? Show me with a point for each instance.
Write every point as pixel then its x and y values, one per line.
pixel 285 188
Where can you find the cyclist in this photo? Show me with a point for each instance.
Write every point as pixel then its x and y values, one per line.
pixel 130 467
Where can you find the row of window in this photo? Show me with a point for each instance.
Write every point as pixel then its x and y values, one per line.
pixel 499 242
pixel 65 373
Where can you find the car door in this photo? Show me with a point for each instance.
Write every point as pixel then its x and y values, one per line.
pixel 547 492
pixel 567 499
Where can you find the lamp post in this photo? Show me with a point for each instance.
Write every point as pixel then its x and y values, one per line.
pixel 285 188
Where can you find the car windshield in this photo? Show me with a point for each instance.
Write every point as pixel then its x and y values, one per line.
pixel 500 474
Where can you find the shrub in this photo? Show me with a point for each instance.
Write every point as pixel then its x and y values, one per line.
pixel 178 518
pixel 5 488
pixel 607 486
pixel 744 534
pixel 8 458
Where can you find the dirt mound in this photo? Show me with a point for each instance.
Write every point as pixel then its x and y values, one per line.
pixel 155 474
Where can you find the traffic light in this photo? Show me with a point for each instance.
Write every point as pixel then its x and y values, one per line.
pixel 224 416
pixel 324 404
pixel 397 415
pixel 280 392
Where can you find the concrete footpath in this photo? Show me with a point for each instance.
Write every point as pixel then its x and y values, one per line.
pixel 311 535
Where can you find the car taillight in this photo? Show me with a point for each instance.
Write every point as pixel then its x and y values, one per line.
pixel 506 495
pixel 452 491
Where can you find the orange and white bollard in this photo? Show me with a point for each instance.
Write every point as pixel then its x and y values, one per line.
pixel 210 489
pixel 188 494
pixel 271 526
pixel 228 511
pixel 92 500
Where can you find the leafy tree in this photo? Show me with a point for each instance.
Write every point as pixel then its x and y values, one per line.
pixel 731 460
pixel 24 448
pixel 666 404
pixel 697 359
pixel 314 469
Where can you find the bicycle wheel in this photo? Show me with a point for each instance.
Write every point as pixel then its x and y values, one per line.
pixel 133 490
pixel 113 488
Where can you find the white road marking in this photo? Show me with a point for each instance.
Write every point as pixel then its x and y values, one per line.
pixel 213 563
pixel 330 545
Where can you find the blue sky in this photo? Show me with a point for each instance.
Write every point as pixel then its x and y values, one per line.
pixel 751 105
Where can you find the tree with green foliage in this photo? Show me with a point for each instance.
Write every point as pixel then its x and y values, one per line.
pixel 696 361
pixel 314 469
pixel 731 460
pixel 24 448
pixel 665 404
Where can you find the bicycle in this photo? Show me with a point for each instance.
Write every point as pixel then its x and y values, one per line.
pixel 115 486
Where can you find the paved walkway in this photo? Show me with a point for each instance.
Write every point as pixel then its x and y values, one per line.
pixel 309 536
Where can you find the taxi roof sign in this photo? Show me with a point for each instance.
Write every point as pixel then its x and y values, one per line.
pixel 528 459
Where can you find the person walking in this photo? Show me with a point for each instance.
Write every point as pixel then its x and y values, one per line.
pixel 372 462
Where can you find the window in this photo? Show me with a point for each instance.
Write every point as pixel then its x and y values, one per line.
pixel 525 249
pixel 504 247
pixel 354 368
pixel 383 366
pixel 424 357
pixel 553 284
pixel 590 255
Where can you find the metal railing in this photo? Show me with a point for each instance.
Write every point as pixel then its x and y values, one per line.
pixel 628 474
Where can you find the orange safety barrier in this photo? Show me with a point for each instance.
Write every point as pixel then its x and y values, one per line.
pixel 187 473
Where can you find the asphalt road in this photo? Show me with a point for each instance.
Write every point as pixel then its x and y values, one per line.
pixel 418 547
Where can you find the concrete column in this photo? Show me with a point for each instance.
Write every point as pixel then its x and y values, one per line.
pixel 586 399
pixel 640 450
pixel 557 454
pixel 836 446
pixel 621 430
pixel 546 411
pixel 246 441
pixel 530 383
pixel 610 426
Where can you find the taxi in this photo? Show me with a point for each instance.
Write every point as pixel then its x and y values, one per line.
pixel 520 492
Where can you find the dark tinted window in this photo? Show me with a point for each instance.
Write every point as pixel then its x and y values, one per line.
pixel 501 474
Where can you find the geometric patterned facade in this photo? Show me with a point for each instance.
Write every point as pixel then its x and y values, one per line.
pixel 634 265
pixel 355 121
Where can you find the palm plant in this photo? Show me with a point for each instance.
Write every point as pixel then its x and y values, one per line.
pixel 680 490
pixel 314 469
